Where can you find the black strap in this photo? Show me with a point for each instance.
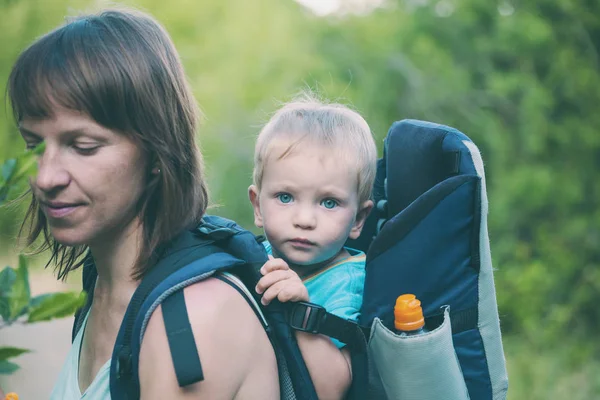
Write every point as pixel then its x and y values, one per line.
pixel 312 318
pixel 181 340
pixel 451 161
pixel 461 320
pixel 308 317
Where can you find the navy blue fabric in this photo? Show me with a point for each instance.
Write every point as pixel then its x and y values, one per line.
pixel 429 244
pixel 432 261
pixel 474 366
pixel 180 337
pixel 284 341
pixel 416 161
pixel 453 141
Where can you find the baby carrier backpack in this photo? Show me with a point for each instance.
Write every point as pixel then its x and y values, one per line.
pixel 427 236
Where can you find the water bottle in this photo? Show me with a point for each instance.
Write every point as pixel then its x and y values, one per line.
pixel 408 316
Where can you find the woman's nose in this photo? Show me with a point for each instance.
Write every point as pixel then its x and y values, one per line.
pixel 52 173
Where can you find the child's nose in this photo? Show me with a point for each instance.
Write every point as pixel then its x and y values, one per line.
pixel 305 218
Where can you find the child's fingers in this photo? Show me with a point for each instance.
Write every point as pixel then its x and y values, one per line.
pixel 284 291
pixel 271 278
pixel 293 292
pixel 273 265
pixel 271 293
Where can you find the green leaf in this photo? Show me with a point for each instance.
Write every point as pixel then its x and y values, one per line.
pixel 8 169
pixel 23 273
pixel 7 278
pixel 27 162
pixel 35 301
pixel 3 193
pixel 7 367
pixel 57 305
pixel 10 352
pixel 19 294
pixel 26 167
pixel 15 170
pixel 39 149
pixel 4 308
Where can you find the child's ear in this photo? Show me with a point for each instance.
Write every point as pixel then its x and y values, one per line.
pixel 253 196
pixel 361 217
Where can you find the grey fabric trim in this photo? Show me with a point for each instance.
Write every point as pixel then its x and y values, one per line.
pixel 418 367
pixel 489 321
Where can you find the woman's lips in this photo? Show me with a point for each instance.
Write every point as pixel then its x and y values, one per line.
pixel 59 210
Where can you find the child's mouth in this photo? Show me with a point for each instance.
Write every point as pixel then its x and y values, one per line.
pixel 301 242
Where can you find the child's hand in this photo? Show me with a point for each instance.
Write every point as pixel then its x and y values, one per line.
pixel 281 282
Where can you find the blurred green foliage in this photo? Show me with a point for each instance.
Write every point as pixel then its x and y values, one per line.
pixel 522 79
pixel 16 303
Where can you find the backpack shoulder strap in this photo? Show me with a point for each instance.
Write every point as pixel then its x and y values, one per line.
pixel 187 248
pixel 294 378
pixel 187 365
pixel 180 337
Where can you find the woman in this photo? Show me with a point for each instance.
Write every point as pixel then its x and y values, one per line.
pixel 121 176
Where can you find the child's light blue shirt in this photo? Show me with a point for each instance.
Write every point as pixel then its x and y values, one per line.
pixel 338 287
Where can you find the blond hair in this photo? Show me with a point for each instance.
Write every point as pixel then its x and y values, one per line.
pixel 307 119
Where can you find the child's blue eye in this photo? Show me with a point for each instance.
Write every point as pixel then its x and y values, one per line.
pixel 284 198
pixel 329 203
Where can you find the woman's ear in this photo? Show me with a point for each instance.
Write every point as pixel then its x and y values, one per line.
pixel 361 217
pixel 253 196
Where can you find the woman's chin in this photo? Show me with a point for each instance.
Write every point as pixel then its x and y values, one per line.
pixel 67 238
pixel 68 242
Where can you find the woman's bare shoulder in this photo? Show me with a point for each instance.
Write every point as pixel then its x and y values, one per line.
pixel 230 341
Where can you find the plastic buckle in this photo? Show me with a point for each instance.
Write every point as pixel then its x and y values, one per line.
pixel 306 317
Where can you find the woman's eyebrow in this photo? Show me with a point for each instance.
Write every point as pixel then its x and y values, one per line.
pixel 27 132
pixel 71 133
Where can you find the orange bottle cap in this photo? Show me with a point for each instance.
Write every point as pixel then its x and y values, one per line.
pixel 408 314
pixel 12 396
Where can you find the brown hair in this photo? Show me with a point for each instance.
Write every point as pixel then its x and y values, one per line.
pixel 121 68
